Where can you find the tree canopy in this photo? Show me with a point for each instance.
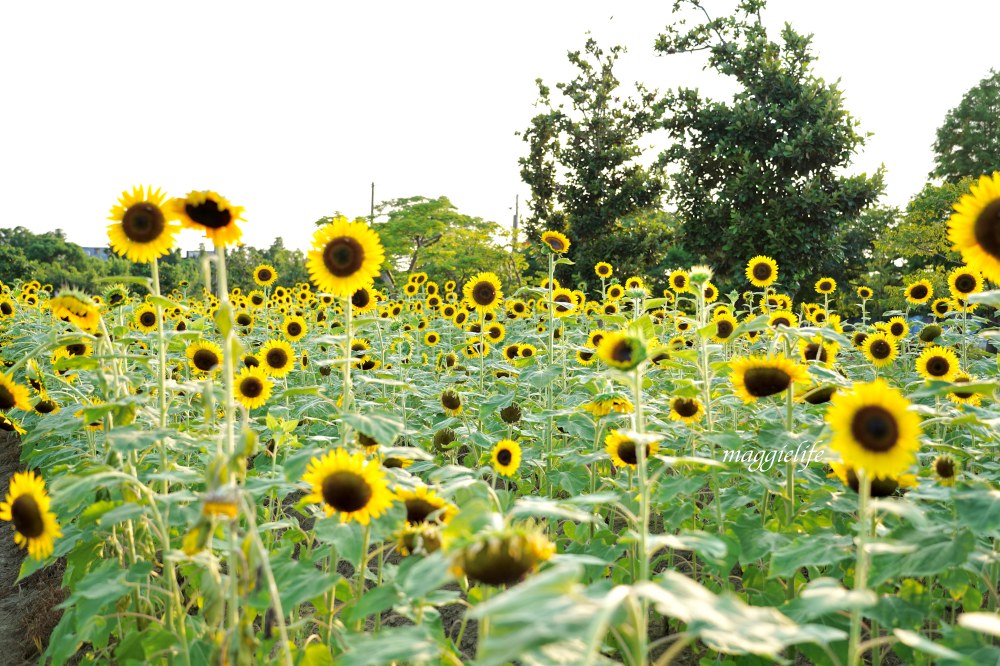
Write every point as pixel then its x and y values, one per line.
pixel 968 142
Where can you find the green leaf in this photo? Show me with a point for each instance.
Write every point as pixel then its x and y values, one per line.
pixel 823 596
pixel 317 654
pixel 811 550
pixel 382 427
pixel 917 642
pixel 407 645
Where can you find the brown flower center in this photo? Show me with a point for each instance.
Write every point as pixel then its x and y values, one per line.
pixel 346 491
pixel 938 366
pixel 361 298
pixel 918 292
pixel 208 214
pixel 814 351
pixel 945 467
pixel 264 275
pixel 504 457
pixel 825 286
pixel 205 360
pixel 484 293
pixel 6 398
pixel 27 517
pixel 965 283
pixel 762 382
pixel 987 228
pixel 761 271
pixel 147 319
pixel 451 400
pixel 76 349
pixel 343 256
pixel 896 328
pixel 276 358
pixel 555 243
pixel 294 329
pixel 143 222
pixel 685 407
pixel 880 350
pixel 244 319
pixel 723 328
pixel 251 387
pixel 875 429
pixel 622 352
pixel 417 510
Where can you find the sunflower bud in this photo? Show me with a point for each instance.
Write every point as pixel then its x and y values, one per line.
pixel 930 333
pixel 701 274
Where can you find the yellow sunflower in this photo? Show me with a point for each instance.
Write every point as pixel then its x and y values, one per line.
pixel 964 281
pixel 621 350
pixel 424 505
pixel 826 285
pixel 483 292
pixel 8 424
pixel 881 486
pixel 938 363
pixel 145 318
pixel 204 357
pixel 960 397
pixel 680 281
pixel 756 377
pixel 624 449
pixel 762 271
pixel 819 350
pixel 555 241
pixel 874 429
pixel 941 307
pixel 974 227
pixel 277 358
pixel 897 327
pixel 76 308
pixel 363 301
pixel 506 457
pixel 265 275
pixel 880 349
pixel 783 318
pixel 864 293
pixel 143 228
pixel 945 469
pixel 210 212
pixel 688 410
pixel 252 386
pixel 725 325
pixel 349 486
pixel 603 270
pixel 345 256
pixel 920 292
pixel 27 506
pixel 294 328
pixel 503 557
pixel 711 292
pixel 12 395
pixel 451 402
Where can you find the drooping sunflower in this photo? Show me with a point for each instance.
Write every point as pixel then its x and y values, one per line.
pixel 506 457
pixel 880 349
pixel 76 308
pixel 204 357
pixel 624 448
pixel 451 402
pixel 930 333
pixel 349 486
pixel 12 394
pixel 688 410
pixel 253 387
pixel 603 270
pixel 7 424
pixel 27 506
pixel 145 318
pixel 277 358
pixel 920 292
pixel 265 275
pixel 938 363
pixel 345 256
pixel 974 227
pixel 826 285
pixel 503 557
pixel 212 213
pixel 424 505
pixel 881 486
pixel 964 281
pixel 144 228
pixel 874 429
pixel 621 350
pixel 864 293
pixel 294 328
pixel 555 241
pixel 762 271
pixel 483 292
pixel 755 377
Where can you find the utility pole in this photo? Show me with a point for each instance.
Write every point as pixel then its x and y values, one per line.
pixel 371 217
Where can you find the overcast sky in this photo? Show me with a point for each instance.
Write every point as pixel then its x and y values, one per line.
pixel 292 109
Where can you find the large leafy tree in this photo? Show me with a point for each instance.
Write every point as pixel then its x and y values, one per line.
pixel 763 172
pixel 968 143
pixel 583 166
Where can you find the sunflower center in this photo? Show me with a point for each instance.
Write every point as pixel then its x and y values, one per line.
pixel 586 355
pixel 781 321
pixel 965 283
pixel 263 275
pixel 143 222
pixel 504 456
pixel 76 349
pixel 205 360
pixel 563 302
pixel 208 214
pixel 346 491
pixel 243 319
pixel 451 401
pixel 484 293
pixel 987 228
pixel 815 352
pixel 945 467
pixel 881 349
pixel 622 352
pixel 555 243
pixel 896 329
pixel 27 517
pixel 294 329
pixel 343 256
pixel 680 281
pixel 761 271
pixel 627 452
pixel 115 299
pixel 859 338
pixel 962 395
pixel 723 328
pixel 361 298
pixel 6 398
pixel 825 286
pixel 938 366
pixel 875 429
pixel 45 407
pixel 276 358
pixel 762 382
pixel 251 387
pixel 686 407
pixel 147 319
pixel 919 291
pixel 602 270
pixel 418 509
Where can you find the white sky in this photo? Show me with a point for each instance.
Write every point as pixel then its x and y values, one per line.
pixel 292 109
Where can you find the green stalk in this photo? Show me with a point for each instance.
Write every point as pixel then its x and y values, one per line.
pixel 644 499
pixel 549 421
pixel 346 396
pixel 161 353
pixel 861 566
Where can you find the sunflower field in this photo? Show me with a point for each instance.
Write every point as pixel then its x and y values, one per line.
pixel 356 472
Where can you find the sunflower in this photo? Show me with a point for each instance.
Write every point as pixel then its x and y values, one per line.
pixel 964 281
pixel 762 271
pixel 756 377
pixel 621 350
pixel 945 469
pixel 974 227
pixel 244 320
pixel 880 349
pixel 874 429
pixel 929 333
pixel 624 450
pixel 817 349
pixel 679 280
pixel 881 486
pixel 864 293
pixel 345 256
pixel 506 457
pixel 503 557
pixel 897 327
pixel 423 505
pixel 253 387
pixel 586 356
pixel 27 506
pixel 941 307
pixel 483 293
pixel 210 212
pixel 555 241
pixel 363 301
pixel 265 275
pixel 937 363
pixel 145 318
pixel 603 270
pixel 431 338
pixel 783 318
pixel 688 410
pixel 920 292
pixel 960 397
pixel 725 325
pixel 256 298
pixel 451 401
pixel 826 286
pixel 496 332
pixel 277 358
pixel 76 308
pixel 204 357
pixel 12 395
pixel 294 328
pixel 143 228
pixel 349 486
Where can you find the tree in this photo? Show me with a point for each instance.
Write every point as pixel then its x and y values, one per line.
pixel 968 143
pixel 583 165
pixel 760 174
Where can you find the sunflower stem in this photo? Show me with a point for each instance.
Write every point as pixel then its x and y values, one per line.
pixel 359 584
pixel 643 482
pixel 161 353
pixel 228 365
pixel 549 421
pixel 345 394
pixel 861 565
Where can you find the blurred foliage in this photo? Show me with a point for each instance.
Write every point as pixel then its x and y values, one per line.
pixel 968 142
